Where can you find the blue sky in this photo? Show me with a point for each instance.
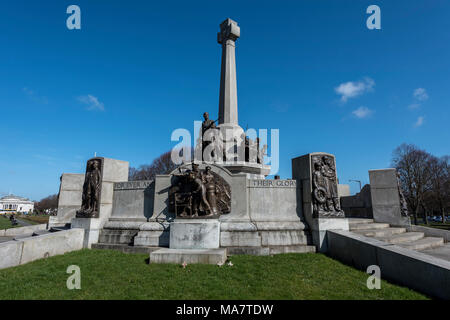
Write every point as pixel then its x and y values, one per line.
pixel 137 70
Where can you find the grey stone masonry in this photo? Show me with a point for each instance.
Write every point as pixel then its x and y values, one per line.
pixel 302 171
pixel 113 171
pixel 69 199
pixel 385 197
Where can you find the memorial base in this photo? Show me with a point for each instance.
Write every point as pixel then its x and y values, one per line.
pixel 189 256
pixel 194 234
pixel 91 226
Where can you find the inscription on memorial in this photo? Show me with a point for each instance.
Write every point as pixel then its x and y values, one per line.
pixel 132 185
pixel 261 183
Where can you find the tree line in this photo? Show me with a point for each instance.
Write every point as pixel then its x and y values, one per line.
pixel 424 179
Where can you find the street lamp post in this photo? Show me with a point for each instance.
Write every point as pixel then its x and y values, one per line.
pixel 359 181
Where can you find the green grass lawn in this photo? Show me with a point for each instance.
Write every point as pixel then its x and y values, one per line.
pixel 6 224
pixel 107 274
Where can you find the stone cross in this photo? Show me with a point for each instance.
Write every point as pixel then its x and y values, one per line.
pixel 229 32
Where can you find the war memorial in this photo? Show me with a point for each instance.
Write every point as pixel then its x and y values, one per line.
pixel 221 203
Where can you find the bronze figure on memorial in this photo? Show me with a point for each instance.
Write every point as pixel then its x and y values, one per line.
pixel 208 135
pixel 199 193
pixel 403 204
pixel 91 190
pixel 325 196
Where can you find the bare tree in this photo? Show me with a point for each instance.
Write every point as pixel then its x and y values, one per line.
pixel 47 205
pixel 412 165
pixel 161 165
pixel 439 195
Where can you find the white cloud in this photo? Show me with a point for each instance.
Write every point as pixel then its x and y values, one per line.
pixel 420 94
pixel 34 97
pixel 353 89
pixel 92 102
pixel 414 106
pixel 362 112
pixel 419 121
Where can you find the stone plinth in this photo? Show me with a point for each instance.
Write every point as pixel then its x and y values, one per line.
pixel 69 199
pixel 195 234
pixel 385 195
pixel 319 193
pixel 112 171
pixel 189 256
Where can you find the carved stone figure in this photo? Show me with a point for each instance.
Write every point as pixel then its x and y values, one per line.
pixel 199 193
pixel 91 190
pixel 325 196
pixel 208 135
pixel 403 204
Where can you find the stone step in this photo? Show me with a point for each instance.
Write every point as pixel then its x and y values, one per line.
pixel 380 232
pixel 124 248
pixel 254 251
pixel 402 237
pixel 441 252
pixel 189 256
pixel 368 226
pixel 424 243
pixel 353 221
pixel 292 249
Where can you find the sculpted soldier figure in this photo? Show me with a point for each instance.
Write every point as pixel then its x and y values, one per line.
pixel 207 136
pixel 329 172
pixel 199 201
pixel 403 204
pixel 211 190
pixel 91 190
pixel 320 186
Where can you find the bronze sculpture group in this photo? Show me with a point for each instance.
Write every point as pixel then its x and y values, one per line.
pixel 199 193
pixel 325 196
pixel 213 144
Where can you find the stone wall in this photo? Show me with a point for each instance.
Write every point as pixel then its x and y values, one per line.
pixel 13 253
pixel 358 205
pixel 69 199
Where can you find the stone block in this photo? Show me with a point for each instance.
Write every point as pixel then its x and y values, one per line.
pixel 115 170
pixel 283 238
pixel 157 238
pixel 240 239
pixel 385 196
pixel 189 256
pixel 413 269
pixel 133 200
pixel 274 200
pixel 51 244
pixel 28 230
pixel 195 234
pixel 10 253
pixel 383 178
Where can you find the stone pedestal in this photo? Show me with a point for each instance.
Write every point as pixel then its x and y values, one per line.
pixel 91 226
pixel 112 171
pixel 386 198
pixel 195 234
pixel 317 177
pixel 69 199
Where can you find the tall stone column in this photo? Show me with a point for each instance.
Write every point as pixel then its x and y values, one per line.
pixel 228 112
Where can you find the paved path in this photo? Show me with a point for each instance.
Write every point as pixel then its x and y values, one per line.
pixel 23 223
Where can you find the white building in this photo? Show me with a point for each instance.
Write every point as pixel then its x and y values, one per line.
pixel 12 203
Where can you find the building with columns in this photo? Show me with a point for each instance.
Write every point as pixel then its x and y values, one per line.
pixel 13 204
